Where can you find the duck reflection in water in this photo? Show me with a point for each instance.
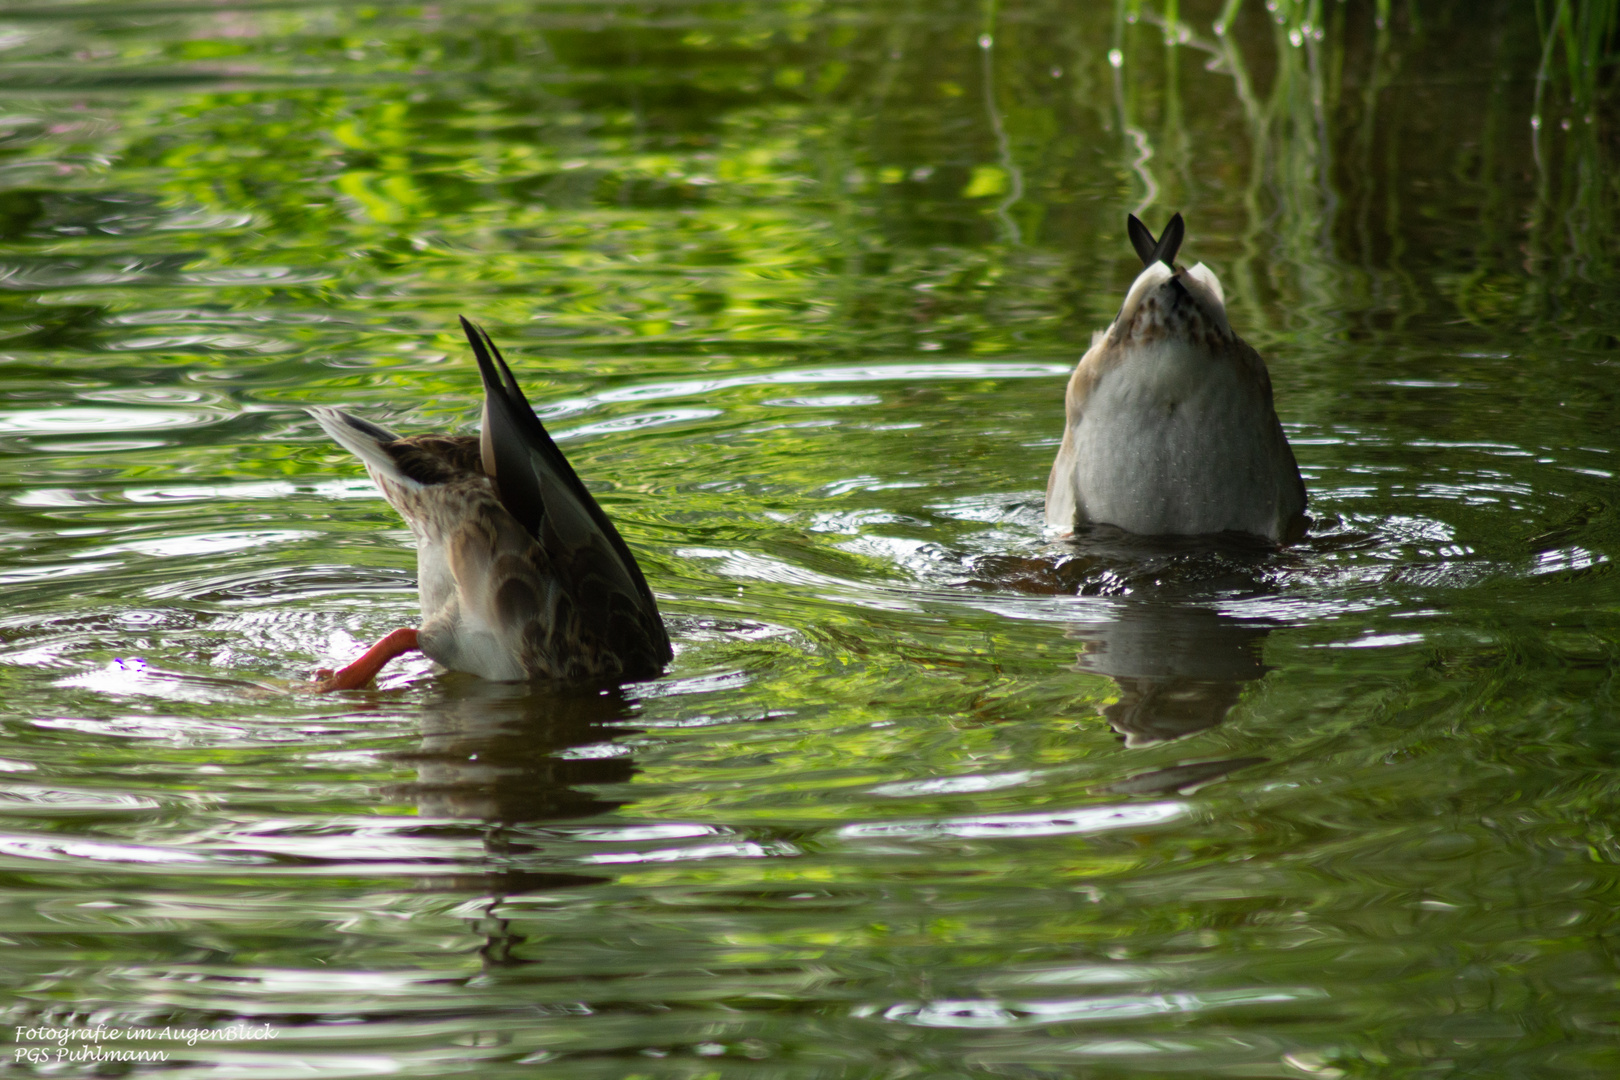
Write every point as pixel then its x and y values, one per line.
pixel 1180 665
pixel 1179 668
pixel 494 751
pixel 498 754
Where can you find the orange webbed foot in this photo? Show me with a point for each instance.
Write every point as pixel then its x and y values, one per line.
pixel 363 670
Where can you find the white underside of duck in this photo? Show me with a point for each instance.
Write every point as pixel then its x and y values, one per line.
pixel 461 627
pixel 1175 443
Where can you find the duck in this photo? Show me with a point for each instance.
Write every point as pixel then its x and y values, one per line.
pixel 521 574
pixel 1169 425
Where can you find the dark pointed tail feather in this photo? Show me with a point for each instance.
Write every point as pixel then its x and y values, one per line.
pixel 1164 248
pixel 1141 239
pixel 1170 241
pixel 517 432
pixel 511 431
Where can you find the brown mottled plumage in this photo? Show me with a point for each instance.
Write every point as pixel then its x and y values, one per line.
pixel 520 572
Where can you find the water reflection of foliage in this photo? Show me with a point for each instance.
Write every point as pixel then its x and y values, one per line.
pixel 921 177
pixel 1331 220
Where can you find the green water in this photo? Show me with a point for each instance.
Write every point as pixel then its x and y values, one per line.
pixel 797 286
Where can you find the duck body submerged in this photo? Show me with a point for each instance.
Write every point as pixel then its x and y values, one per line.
pixel 1169 426
pixel 521 574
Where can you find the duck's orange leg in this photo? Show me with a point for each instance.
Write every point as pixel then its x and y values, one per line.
pixel 363 670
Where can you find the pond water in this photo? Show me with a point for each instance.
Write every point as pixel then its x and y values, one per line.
pixel 797 285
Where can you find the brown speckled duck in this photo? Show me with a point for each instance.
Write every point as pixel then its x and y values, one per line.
pixel 521 574
pixel 1170 426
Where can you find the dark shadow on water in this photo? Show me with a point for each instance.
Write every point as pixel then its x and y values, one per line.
pixel 1104 561
pixel 497 754
pixel 1180 664
pixel 1179 667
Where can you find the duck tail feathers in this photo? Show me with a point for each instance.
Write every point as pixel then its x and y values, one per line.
pixel 1164 248
pixel 533 478
pixel 365 440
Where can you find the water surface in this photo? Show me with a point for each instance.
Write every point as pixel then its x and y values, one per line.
pixel 797 286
